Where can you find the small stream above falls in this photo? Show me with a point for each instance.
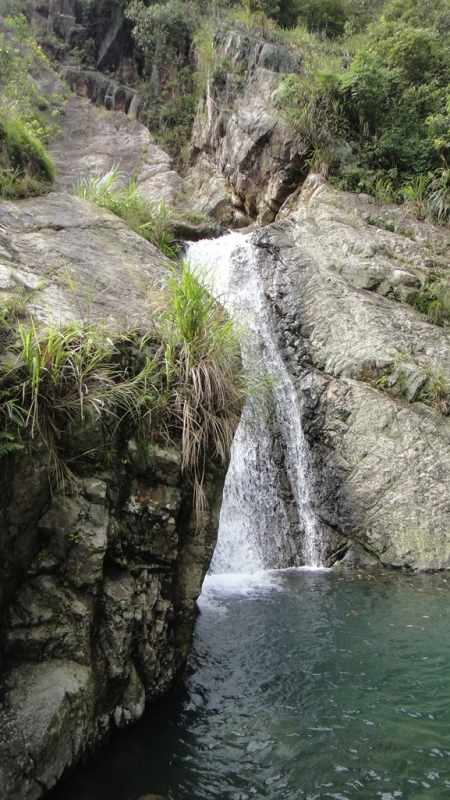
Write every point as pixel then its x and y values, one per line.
pixel 267 520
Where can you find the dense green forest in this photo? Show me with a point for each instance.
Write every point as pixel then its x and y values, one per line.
pixel 370 101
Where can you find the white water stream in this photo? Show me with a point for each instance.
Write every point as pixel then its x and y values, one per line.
pixel 255 530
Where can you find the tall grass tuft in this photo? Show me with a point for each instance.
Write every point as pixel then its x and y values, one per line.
pixel 205 381
pixel 153 221
pixel 183 380
pixel 436 391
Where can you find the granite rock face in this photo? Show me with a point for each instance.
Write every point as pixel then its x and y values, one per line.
pixel 96 140
pixel 245 160
pixel 360 358
pixel 74 260
pixel 99 577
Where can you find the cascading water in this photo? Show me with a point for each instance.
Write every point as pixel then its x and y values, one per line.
pixel 256 519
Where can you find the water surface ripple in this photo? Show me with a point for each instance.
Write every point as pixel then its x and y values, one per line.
pixel 308 685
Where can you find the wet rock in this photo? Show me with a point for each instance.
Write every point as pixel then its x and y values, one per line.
pixel 132 702
pixel 44 725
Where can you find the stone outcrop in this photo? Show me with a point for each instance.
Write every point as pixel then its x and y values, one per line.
pixel 103 91
pixel 103 617
pixel 240 145
pixel 100 132
pixel 95 141
pixel 99 577
pixel 381 458
pixel 68 22
pixel 70 259
pixel 56 18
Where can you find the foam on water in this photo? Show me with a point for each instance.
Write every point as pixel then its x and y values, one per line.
pixel 218 587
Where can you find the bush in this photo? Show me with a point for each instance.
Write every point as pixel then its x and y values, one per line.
pixel 367 89
pixel 163 34
pixel 20 60
pixel 327 17
pixel 376 106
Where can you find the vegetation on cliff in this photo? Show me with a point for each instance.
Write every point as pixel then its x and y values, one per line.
pixel 24 164
pixel 181 379
pixel 374 107
pixel 150 220
pixel 370 101
pixel 27 120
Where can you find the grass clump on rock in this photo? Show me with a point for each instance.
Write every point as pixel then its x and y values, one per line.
pixel 25 166
pixel 150 220
pixel 181 381
pixel 205 384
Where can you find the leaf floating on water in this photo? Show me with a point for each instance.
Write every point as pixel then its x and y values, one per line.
pixel 354 612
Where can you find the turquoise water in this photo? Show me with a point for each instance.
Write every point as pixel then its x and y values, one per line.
pixel 309 685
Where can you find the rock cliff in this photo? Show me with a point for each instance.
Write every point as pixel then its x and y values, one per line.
pixel 98 578
pixel 338 271
pixel 98 582
pixel 245 158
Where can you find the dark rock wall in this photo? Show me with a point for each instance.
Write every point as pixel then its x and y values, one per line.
pixel 100 605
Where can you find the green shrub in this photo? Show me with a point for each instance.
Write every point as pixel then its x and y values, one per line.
pixel 163 34
pixel 327 17
pixel 366 90
pixel 378 104
pixel 21 60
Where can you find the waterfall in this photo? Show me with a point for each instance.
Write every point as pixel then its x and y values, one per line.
pixel 260 524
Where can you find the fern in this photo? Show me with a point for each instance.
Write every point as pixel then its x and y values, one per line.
pixel 8 444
